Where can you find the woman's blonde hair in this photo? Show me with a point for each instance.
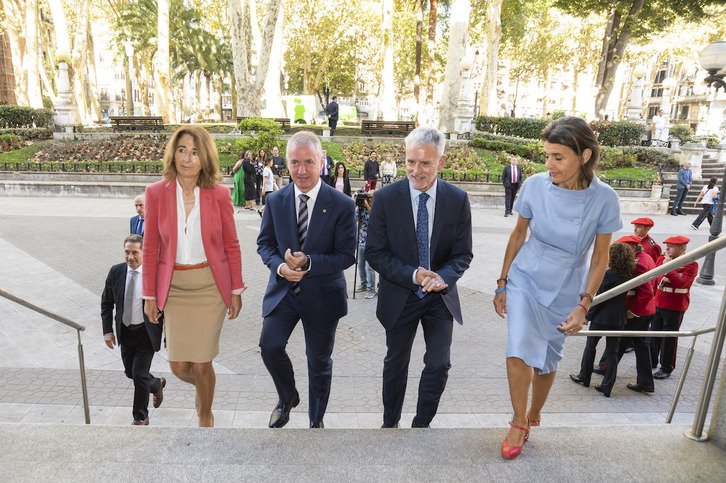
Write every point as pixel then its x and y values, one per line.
pixel 209 176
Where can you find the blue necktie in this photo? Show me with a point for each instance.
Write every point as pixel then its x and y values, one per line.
pixel 302 229
pixel 140 227
pixel 422 236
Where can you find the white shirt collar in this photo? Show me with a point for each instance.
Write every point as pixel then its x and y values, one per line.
pixel 128 269
pixel 313 193
pixel 431 191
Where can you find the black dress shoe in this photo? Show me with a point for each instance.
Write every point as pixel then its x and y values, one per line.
pixel 674 214
pixel 319 425
pixel 281 414
pixel 661 374
pixel 639 388
pixel 599 370
pixel 414 424
pixel 599 389
pixel 578 380
pixel 389 427
pixel 681 213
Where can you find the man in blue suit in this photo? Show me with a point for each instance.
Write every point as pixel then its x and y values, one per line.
pixel 419 241
pixel 137 222
pixel 307 239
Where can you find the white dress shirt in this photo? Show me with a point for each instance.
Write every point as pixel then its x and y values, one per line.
pixel 431 207
pixel 313 196
pixel 137 311
pixel 189 245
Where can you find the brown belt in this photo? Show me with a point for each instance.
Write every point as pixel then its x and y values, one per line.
pixel 135 327
pixel 191 267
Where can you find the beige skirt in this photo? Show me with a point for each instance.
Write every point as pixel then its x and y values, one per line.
pixel 193 316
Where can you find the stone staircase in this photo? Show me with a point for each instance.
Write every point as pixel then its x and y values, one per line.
pixel 709 167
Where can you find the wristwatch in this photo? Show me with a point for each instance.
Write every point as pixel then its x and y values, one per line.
pixel 306 266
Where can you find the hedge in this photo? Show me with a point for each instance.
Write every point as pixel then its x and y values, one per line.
pixel 618 133
pixel 512 126
pixel 28 117
pixel 28 133
pixel 532 151
pixel 653 157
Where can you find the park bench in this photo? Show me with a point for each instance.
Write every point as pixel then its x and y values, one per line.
pixel 386 127
pixel 282 121
pixel 136 123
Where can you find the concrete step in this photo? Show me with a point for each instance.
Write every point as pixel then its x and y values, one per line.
pixel 92 453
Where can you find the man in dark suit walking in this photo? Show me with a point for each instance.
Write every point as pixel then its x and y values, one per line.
pixel 137 337
pixel 307 239
pixel 512 180
pixel 331 110
pixel 137 222
pixel 419 241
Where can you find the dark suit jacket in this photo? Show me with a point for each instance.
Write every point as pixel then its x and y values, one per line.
pixel 330 243
pixel 392 251
pixel 507 176
pixel 612 313
pixel 332 111
pixel 134 223
pixel 346 184
pixel 113 296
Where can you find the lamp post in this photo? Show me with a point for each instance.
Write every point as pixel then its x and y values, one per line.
pixel 635 106
pixel 713 60
pixel 129 83
pixel 399 94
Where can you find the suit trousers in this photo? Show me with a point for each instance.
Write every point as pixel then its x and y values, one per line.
pixel 136 354
pixel 319 339
pixel 642 351
pixel 332 123
pixel 510 193
pixel 437 323
pixel 680 198
pixel 665 347
pixel 611 359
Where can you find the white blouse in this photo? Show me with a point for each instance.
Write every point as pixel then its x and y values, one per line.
pixel 189 245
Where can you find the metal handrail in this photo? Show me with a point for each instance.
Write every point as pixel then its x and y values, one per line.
pixel 714 356
pixel 665 333
pixel 63 320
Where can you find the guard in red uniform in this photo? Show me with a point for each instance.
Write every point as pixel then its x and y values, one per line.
pixel 640 303
pixel 672 297
pixel 641 227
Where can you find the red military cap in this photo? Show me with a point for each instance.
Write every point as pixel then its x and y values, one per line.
pixel 643 221
pixel 677 240
pixel 629 239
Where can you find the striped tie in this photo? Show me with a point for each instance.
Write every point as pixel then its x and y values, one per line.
pixel 422 236
pixel 302 229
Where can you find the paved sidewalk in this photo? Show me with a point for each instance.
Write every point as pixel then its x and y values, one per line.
pixel 57 252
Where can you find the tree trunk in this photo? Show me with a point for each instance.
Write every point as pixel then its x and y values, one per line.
pixel 388 87
pixel 143 83
pixel 129 88
pixel 15 28
pixel 431 49
pixel 95 106
pixel 30 60
pixel 419 46
pixel 239 53
pixel 575 80
pixel 78 62
pixel 272 89
pixel 618 31
pixel 457 50
pixel 545 96
pixel 162 67
pixel 493 27
pixel 233 89
pixel 198 96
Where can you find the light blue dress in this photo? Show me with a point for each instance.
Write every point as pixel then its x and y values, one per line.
pixel 551 267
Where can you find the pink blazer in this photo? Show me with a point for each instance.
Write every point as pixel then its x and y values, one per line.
pixel 219 237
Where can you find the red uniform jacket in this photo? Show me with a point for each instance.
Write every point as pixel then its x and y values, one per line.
pixel 651 247
pixel 675 294
pixel 641 300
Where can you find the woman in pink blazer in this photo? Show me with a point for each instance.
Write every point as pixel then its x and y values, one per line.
pixel 192 263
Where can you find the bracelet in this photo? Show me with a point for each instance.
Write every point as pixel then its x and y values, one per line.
pixel 585 308
pixel 503 289
pixel 585 294
pixel 503 279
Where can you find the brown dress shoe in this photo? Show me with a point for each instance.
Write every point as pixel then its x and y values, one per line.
pixel 145 422
pixel 159 395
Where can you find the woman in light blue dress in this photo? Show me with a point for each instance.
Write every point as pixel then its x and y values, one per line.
pixel 547 279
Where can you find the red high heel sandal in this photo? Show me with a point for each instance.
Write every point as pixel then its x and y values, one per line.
pixel 510 452
pixel 532 423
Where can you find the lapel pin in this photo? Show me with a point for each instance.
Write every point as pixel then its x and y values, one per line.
pixel 325 211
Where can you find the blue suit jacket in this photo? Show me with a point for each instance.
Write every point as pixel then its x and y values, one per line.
pixel 392 251
pixel 134 223
pixel 330 243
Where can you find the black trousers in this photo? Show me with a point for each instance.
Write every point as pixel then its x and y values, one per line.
pixel 332 123
pixel 136 354
pixel 665 348
pixel 678 202
pixel 612 345
pixel 705 213
pixel 258 188
pixel 642 350
pixel 319 340
pixel 510 193
pixel 437 324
